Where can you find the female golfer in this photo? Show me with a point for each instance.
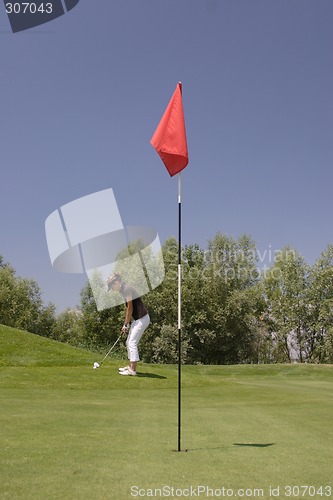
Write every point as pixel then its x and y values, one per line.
pixel 135 309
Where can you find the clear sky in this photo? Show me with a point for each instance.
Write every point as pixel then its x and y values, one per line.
pixel 81 97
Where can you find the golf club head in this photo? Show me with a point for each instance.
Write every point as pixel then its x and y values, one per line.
pixel 96 365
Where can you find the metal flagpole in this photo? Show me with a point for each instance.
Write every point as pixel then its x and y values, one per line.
pixel 179 309
pixel 169 140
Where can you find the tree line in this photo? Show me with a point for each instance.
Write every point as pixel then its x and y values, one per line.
pixel 234 309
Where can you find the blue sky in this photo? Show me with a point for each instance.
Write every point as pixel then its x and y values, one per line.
pixel 81 97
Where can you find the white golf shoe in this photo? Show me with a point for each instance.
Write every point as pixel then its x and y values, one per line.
pixel 124 368
pixel 128 371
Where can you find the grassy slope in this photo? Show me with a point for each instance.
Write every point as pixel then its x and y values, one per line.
pixel 68 431
pixel 19 348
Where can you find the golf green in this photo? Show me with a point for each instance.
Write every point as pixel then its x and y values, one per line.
pixel 71 432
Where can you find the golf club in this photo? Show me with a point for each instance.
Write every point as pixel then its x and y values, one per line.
pixel 97 365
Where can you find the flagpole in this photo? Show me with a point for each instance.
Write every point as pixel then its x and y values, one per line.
pixel 169 140
pixel 179 309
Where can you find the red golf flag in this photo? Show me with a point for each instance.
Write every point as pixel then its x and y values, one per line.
pixel 169 138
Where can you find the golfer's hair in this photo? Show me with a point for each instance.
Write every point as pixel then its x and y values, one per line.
pixel 114 277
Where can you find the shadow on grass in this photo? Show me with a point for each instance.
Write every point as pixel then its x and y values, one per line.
pixel 255 445
pixel 149 375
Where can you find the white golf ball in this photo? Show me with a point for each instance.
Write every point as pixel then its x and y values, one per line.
pixel 96 365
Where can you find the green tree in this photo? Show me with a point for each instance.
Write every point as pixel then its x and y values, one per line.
pixel 231 274
pixel 286 292
pixel 217 303
pixel 21 303
pixel 69 327
pixel 320 299
pixel 100 328
pixel 231 311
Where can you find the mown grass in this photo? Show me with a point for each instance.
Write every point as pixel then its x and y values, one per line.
pixel 68 431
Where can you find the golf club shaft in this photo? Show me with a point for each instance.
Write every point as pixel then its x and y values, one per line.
pixel 111 348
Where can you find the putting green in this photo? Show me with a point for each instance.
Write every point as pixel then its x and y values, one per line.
pixel 72 432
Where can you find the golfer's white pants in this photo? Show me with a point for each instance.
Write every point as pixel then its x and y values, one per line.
pixel 137 328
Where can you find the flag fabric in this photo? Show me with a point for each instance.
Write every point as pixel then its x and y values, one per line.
pixel 169 138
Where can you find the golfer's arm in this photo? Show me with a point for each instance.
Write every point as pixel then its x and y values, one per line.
pixel 129 310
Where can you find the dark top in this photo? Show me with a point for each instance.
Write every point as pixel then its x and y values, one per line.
pixel 139 309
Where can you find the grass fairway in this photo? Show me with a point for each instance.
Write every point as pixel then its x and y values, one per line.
pixel 70 432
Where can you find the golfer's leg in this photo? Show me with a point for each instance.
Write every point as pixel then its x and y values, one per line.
pixel 127 346
pixel 134 336
pixel 133 353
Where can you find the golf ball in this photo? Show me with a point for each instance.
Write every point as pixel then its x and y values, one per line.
pixel 96 365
